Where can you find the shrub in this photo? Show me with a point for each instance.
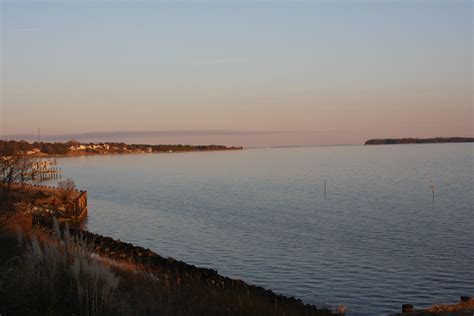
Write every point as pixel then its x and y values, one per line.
pixel 58 278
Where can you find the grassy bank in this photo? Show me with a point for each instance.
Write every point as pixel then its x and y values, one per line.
pixel 41 275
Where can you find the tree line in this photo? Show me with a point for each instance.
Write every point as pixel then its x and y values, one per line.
pixel 392 141
pixel 11 148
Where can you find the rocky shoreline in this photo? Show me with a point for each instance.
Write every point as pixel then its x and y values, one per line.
pixel 174 271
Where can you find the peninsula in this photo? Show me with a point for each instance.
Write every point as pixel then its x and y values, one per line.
pixel 394 141
pixel 75 148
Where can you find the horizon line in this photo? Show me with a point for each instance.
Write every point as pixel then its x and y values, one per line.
pixel 168 133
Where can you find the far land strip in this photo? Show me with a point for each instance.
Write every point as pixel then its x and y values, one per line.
pixel 437 140
pixel 74 148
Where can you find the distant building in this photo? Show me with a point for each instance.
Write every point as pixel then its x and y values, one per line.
pixel 33 151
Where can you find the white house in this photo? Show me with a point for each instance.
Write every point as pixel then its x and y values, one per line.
pixel 33 151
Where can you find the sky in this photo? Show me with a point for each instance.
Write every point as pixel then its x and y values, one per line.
pixel 251 73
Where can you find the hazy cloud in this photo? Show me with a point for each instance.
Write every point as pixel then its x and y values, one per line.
pixel 142 134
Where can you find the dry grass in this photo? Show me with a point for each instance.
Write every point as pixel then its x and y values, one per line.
pixel 459 307
pixel 56 278
pixel 61 277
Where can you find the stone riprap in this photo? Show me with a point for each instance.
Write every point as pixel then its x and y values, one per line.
pixel 180 273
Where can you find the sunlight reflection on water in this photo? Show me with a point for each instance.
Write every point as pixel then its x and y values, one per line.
pixel 376 241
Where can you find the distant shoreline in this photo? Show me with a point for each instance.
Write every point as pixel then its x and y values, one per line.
pixel 402 141
pixel 76 155
pixel 77 149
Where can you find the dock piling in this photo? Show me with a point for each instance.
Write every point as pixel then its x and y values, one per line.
pixel 407 308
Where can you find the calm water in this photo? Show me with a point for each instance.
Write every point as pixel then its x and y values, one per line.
pixel 376 241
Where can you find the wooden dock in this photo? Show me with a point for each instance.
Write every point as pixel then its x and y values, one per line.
pixel 45 169
pixel 63 204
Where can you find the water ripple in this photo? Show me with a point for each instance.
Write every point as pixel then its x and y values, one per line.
pixel 375 241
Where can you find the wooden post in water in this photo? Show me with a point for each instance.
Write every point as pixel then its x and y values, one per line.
pixel 324 187
pixel 432 189
pixel 407 308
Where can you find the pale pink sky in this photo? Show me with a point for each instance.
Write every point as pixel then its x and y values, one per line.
pixel 302 73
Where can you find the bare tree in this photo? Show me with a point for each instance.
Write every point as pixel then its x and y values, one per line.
pixel 15 172
pixel 68 186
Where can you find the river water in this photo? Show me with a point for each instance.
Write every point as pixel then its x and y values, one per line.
pixel 376 240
